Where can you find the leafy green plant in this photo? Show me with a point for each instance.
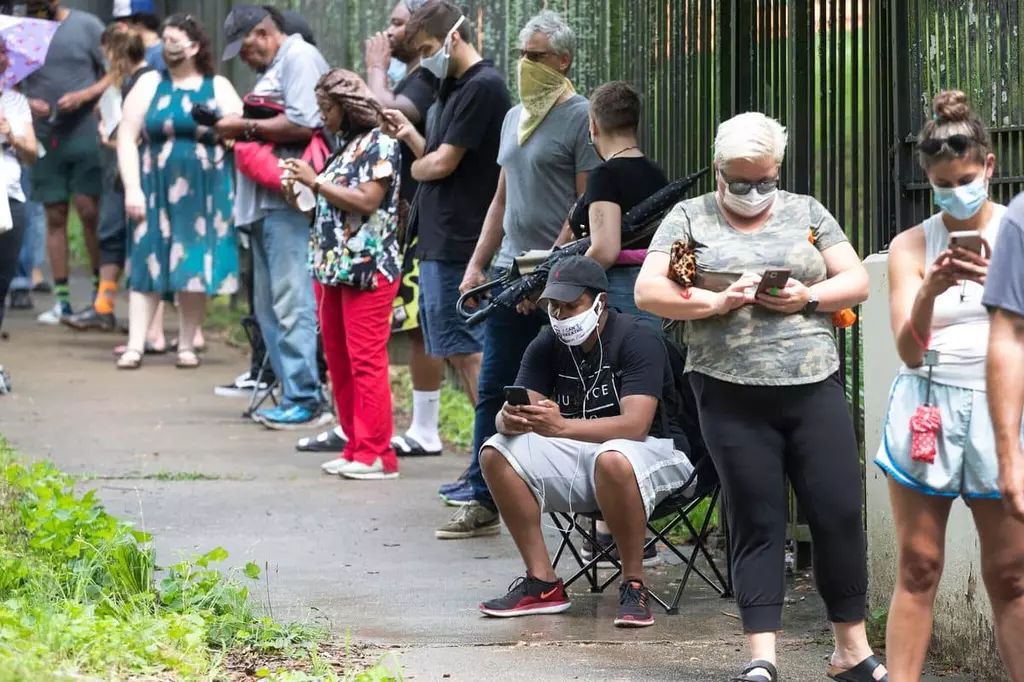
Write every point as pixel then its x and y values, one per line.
pixel 79 596
pixel 875 625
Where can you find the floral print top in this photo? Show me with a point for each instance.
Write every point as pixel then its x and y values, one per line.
pixel 343 243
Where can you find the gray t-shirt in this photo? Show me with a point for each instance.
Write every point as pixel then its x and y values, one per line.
pixel 752 345
pixel 290 80
pixel 73 62
pixel 1004 285
pixel 540 176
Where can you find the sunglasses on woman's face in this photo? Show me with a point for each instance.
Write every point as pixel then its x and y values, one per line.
pixel 743 187
pixel 958 144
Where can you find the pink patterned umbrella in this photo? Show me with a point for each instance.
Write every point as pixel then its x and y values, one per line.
pixel 27 42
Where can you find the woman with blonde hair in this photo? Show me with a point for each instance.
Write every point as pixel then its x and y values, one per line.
pixel 770 269
pixel 938 441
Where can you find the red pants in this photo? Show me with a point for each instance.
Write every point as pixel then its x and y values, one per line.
pixel 355 326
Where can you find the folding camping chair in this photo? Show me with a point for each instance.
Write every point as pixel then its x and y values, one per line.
pixel 702 485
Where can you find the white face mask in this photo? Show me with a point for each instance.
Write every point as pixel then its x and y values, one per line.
pixel 575 330
pixel 396 70
pixel 437 63
pixel 750 204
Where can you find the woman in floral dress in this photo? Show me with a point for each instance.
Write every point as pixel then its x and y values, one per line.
pixel 354 259
pixel 179 190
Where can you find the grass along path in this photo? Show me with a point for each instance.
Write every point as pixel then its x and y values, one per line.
pixel 81 597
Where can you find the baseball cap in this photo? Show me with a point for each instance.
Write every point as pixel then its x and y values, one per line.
pixel 129 8
pixel 571 277
pixel 239 22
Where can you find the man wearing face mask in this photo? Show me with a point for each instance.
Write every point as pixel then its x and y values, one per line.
pixel 456 166
pixel 289 69
pixel 545 159
pixel 595 436
pixel 61 95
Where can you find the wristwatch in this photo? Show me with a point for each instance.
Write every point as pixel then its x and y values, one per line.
pixel 812 304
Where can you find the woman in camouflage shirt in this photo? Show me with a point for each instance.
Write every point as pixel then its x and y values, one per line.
pixel 765 370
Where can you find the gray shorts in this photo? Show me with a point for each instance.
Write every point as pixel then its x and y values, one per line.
pixel 560 472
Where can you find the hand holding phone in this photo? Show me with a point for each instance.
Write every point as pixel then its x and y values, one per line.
pixel 969 240
pixel 773 278
pixel 517 396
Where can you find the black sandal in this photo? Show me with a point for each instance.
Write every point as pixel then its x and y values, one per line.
pixel 862 672
pixel 754 665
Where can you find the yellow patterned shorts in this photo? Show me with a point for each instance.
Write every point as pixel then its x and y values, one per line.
pixel 405 310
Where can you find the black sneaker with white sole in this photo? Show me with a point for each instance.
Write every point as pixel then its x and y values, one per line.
pixel 242 387
pixel 634 608
pixel 528 596
pixel 651 557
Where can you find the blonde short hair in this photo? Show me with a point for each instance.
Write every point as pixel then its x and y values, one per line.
pixel 751 136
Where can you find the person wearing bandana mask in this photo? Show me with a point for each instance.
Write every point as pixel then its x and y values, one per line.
pixel 456 166
pixel 595 436
pixel 766 372
pixel 545 158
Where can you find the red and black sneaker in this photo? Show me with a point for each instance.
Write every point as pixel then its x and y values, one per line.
pixel 634 611
pixel 528 596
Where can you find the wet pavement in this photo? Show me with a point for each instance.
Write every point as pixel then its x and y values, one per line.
pixel 361 557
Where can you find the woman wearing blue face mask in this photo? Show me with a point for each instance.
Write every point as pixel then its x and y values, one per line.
pixel 938 442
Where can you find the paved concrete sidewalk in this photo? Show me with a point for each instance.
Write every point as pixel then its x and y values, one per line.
pixel 359 556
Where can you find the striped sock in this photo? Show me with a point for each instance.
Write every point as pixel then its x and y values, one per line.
pixel 95 282
pixel 61 291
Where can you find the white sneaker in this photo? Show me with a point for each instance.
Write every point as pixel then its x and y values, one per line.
pixel 242 387
pixel 361 472
pixel 334 466
pixel 52 316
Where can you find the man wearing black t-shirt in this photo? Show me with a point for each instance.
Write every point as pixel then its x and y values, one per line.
pixel 456 166
pixel 595 437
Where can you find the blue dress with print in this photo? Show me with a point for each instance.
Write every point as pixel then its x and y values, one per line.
pixel 187 242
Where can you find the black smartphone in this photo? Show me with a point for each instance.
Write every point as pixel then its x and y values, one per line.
pixel 517 395
pixel 772 277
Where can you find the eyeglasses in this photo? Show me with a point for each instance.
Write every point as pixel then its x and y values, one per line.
pixel 743 187
pixel 958 144
pixel 535 55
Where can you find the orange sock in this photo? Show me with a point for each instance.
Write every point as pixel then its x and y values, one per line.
pixel 105 298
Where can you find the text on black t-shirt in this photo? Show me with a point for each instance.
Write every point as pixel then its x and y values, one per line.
pixel 630 360
pixel 625 181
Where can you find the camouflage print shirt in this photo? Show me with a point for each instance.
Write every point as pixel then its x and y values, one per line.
pixel 753 345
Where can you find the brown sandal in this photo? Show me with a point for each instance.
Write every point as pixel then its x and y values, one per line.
pixel 129 359
pixel 187 359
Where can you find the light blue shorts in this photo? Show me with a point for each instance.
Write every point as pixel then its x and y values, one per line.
pixel 965 462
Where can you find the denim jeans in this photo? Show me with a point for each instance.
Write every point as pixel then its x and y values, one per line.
pixel 507 333
pixel 621 281
pixel 285 304
pixel 10 245
pixel 33 244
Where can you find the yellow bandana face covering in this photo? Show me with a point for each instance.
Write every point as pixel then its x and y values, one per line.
pixel 540 87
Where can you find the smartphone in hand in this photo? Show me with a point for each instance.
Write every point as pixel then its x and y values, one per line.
pixel 517 396
pixel 968 240
pixel 772 277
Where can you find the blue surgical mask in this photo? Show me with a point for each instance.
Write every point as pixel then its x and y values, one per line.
pixel 437 63
pixel 964 201
pixel 396 71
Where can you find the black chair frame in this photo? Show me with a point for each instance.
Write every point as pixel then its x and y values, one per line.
pixel 677 507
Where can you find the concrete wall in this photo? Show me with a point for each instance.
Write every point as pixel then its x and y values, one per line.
pixel 963 634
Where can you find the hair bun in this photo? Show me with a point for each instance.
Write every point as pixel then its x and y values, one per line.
pixel 951 106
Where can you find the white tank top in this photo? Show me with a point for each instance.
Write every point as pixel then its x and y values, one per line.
pixel 959 327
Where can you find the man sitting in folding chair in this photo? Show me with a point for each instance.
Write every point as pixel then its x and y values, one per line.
pixel 593 437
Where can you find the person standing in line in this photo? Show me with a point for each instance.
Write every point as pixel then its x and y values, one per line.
pixel 18 147
pixel 414 91
pixel 353 255
pixel 941 328
pixel 32 257
pixel 289 69
pixel 456 166
pixel 545 157
pixel 181 200
pixel 133 24
pixel 765 372
pixel 62 94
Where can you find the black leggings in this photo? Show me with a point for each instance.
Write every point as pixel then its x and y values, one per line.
pixel 760 435
pixel 10 248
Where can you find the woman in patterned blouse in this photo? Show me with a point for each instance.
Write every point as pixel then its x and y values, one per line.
pixel 353 254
